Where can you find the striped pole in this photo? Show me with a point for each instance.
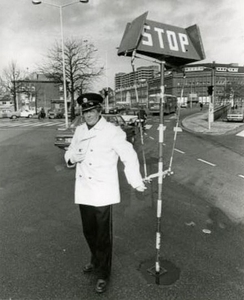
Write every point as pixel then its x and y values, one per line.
pixel 160 177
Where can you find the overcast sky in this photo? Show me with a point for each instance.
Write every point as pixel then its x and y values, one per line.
pixel 27 31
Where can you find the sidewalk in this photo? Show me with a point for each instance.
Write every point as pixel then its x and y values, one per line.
pixel 198 123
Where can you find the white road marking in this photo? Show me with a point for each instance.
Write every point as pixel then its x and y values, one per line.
pixel 148 126
pixel 152 138
pixel 242 176
pixel 31 123
pixel 206 162
pixel 179 151
pixel 37 124
pixel 49 124
pixel 240 133
pixel 24 124
pixel 178 129
pixel 164 127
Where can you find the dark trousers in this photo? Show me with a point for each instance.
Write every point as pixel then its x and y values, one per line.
pixel 97 229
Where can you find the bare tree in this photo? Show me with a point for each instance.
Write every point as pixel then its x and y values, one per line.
pixel 235 88
pixel 81 68
pixel 11 80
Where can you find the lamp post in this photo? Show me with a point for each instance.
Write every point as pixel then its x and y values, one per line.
pixel 36 2
pixel 211 102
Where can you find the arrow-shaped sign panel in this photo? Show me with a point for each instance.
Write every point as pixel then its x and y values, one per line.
pixel 174 45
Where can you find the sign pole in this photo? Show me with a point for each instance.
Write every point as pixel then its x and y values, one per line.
pixel 160 177
pixel 155 40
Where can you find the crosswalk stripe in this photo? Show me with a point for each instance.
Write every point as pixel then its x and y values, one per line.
pixel 23 124
pixel 51 124
pixel 37 125
pixel 31 124
pixel 11 125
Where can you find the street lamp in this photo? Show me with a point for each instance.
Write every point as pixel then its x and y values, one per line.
pixel 36 2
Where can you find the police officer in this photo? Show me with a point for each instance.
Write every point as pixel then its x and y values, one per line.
pixel 95 149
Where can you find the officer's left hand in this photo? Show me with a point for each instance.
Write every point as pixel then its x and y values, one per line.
pixel 141 188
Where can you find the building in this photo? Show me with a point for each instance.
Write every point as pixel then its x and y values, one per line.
pixel 6 101
pixel 190 84
pixel 226 79
pixel 132 87
pixel 37 90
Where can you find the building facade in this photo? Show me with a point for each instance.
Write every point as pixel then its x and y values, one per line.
pixel 38 91
pixel 190 84
pixel 131 88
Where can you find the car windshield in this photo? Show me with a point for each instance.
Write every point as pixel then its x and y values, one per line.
pixel 115 119
pixel 132 112
pixel 76 122
pixel 112 119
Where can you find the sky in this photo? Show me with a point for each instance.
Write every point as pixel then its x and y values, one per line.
pixel 27 31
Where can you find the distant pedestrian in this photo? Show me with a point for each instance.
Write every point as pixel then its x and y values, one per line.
pixel 41 114
pixel 142 116
pixel 201 106
pixel 95 149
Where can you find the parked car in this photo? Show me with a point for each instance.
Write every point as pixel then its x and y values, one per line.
pixel 7 113
pixel 55 114
pixel 184 105
pixel 27 113
pixel 130 116
pixel 63 139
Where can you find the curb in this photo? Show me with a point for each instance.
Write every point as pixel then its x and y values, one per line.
pixel 236 127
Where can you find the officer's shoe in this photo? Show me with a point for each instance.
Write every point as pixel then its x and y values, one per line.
pixel 101 286
pixel 88 268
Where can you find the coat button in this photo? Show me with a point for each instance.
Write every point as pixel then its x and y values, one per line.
pixel 90 164
pixel 91 150
pixel 89 177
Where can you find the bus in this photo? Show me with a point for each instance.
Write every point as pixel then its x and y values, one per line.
pixel 170 104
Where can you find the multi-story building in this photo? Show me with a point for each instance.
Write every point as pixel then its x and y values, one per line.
pixel 188 84
pixel 37 90
pixel 129 87
pixel 225 79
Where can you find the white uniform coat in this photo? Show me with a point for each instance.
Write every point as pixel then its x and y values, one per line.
pixel 97 182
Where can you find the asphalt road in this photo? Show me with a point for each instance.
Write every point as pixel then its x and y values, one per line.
pixel 41 243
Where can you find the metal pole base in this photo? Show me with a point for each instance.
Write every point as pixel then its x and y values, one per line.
pixel 152 271
pixel 168 274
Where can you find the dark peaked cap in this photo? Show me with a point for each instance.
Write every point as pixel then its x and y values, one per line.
pixel 89 101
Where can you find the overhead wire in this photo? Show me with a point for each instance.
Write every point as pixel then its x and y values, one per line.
pixel 177 124
pixel 140 123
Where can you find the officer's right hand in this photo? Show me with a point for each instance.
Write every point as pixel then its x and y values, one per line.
pixel 141 188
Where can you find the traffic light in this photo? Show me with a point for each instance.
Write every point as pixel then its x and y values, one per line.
pixel 105 93
pixel 210 90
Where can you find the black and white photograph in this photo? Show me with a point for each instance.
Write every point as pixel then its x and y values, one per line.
pixel 122 150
